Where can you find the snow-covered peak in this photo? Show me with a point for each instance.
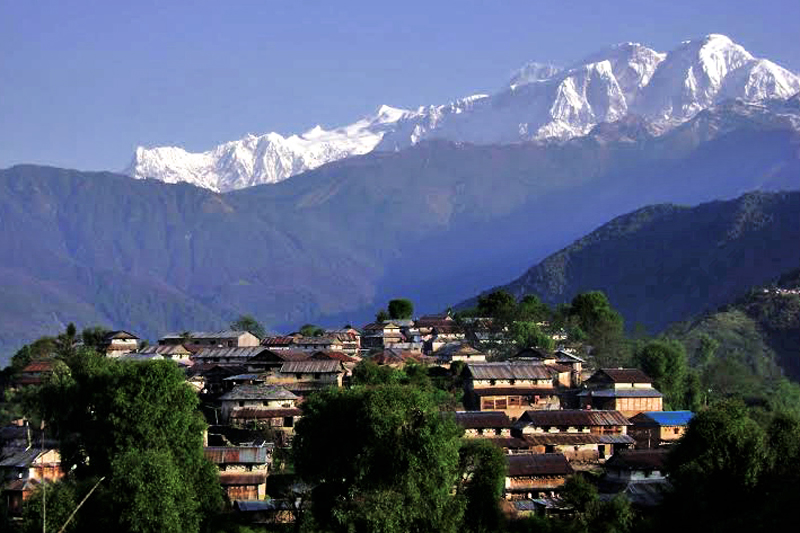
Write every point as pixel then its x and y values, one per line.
pixel 540 101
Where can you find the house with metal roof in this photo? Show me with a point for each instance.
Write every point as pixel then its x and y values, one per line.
pixel 321 372
pixel 260 405
pixel 116 343
pixel 242 469
pixel 637 474
pixel 628 390
pixel 225 338
pixel 484 423
pixel 22 470
pixel 510 387
pixel 586 436
pixel 458 351
pixel 659 428
pixel 531 476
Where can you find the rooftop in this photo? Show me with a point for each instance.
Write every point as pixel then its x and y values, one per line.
pixel 507 371
pixel 258 392
pixel 572 417
pixel 544 464
pixel 482 419
pixel 663 418
pixel 620 375
pixel 314 366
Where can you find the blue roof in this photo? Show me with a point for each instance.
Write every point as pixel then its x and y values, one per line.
pixel 670 418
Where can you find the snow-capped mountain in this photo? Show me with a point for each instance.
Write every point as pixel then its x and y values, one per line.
pixel 261 159
pixel 541 101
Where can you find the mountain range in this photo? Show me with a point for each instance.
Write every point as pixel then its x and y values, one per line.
pixel 540 103
pixel 436 222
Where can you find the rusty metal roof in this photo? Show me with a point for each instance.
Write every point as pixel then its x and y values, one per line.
pixel 314 366
pixel 237 454
pixel 241 353
pixel 572 417
pixel 560 439
pixel 511 391
pixel 639 459
pixel 621 393
pixel 482 419
pixel 258 392
pixel 242 478
pixel 620 375
pixel 256 413
pixel 284 340
pixel 38 366
pixel 542 464
pixel 336 356
pixel 483 371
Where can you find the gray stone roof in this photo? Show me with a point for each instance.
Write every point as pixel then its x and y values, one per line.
pixel 258 392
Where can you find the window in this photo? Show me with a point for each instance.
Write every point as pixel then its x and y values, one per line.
pixel 288 422
pixel 513 382
pixel 316 375
pixel 241 404
pixel 298 376
pixel 498 431
pixel 492 382
pixel 265 403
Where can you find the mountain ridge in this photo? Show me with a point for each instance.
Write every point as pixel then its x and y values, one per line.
pixel 540 102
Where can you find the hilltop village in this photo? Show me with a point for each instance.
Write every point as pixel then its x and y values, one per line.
pixel 550 412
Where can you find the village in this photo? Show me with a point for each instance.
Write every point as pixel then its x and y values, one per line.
pixel 549 413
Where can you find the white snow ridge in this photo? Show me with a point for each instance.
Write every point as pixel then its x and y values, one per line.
pixel 541 101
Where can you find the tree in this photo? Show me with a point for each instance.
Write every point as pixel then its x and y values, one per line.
pixel 715 468
pixel 665 361
pixel 498 304
pixel 311 330
pixel 400 309
pixel 382 316
pixel 94 337
pixel 135 423
pixel 397 460
pixel 533 309
pixel 249 323
pixel 603 326
pixel 528 334
pixel 484 467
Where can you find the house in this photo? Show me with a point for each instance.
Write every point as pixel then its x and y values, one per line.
pixel 22 470
pixel 260 405
pixel 117 343
pixel 35 373
pixel 586 436
pixel 242 469
pixel 381 335
pixel 628 390
pixel 397 358
pixel 284 342
pixel 220 339
pixel 533 476
pixel 458 351
pixel 311 344
pixel 484 423
pixel 568 365
pixel 209 378
pixel 350 339
pixel 653 429
pixel 510 387
pixel 175 352
pixel 639 475
pixel 323 373
pixel 254 358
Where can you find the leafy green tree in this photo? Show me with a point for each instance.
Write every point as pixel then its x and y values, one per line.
pixel 61 499
pixel 125 421
pixel 382 316
pixel 665 361
pixel 94 337
pixel 498 304
pixel 715 468
pixel 533 309
pixel 66 342
pixel 400 309
pixel 603 326
pixel 311 330
pixel 528 334
pixel 397 460
pixel 249 323
pixel 484 467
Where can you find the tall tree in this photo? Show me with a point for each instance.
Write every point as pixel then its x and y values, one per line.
pixel 397 460
pixel 400 309
pixel 136 424
pixel 665 361
pixel 498 304
pixel 249 323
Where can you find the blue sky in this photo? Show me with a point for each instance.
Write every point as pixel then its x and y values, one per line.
pixel 83 83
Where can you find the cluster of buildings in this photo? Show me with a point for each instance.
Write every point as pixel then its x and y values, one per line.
pixel 549 415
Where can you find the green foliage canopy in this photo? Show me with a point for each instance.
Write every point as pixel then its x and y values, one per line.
pixel 249 323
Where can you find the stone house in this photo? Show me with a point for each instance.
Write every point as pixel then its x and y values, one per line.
pixel 117 343
pixel 261 405
pixel 457 351
pixel 568 366
pixel 220 339
pixel 586 436
pixel 653 429
pixel 510 387
pixel 323 372
pixel 23 470
pixel 484 423
pixel 532 476
pixel 243 469
pixel 628 390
